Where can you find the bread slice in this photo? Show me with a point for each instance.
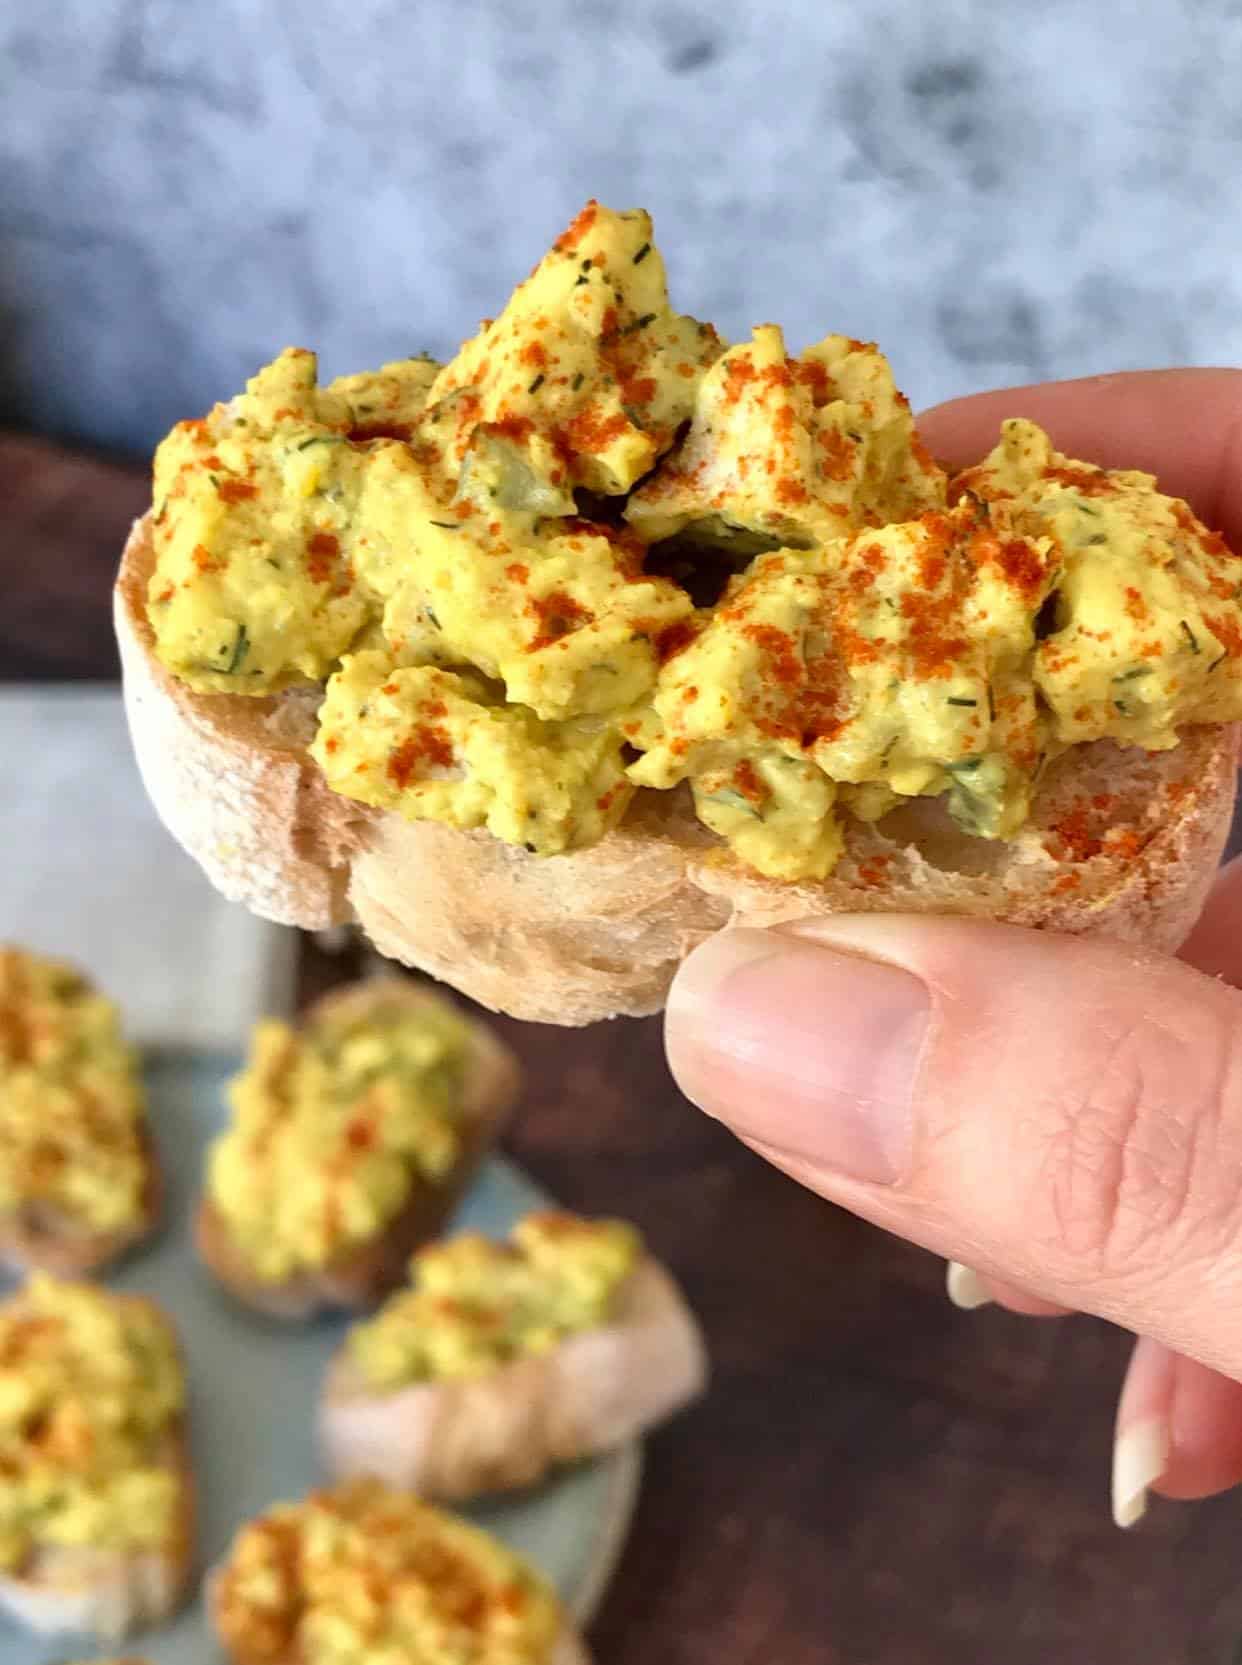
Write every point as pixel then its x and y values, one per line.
pixel 490 1089
pixel 268 1636
pixel 109 1593
pixel 455 1439
pixel 1122 844
pixel 39 1237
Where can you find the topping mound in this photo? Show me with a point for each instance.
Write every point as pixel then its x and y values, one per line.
pixel 604 551
pixel 72 1107
pixel 332 1125
pixel 90 1388
pixel 361 1574
pixel 477 1305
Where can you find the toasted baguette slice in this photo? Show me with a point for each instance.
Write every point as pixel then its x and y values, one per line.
pixel 38 1238
pixel 455 1439
pixel 110 1593
pixel 600 933
pixel 490 1089
pixel 269 1636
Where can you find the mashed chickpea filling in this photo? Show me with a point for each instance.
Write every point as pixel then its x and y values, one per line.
pixel 90 1387
pixel 475 560
pixel 360 1575
pixel 72 1107
pixel 476 1305
pixel 332 1125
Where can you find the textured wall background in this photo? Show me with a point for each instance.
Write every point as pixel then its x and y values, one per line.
pixel 996 190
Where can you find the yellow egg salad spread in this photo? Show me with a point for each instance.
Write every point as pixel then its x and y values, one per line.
pixel 476 1304
pixel 91 1387
pixel 332 1124
pixel 72 1109
pixel 603 551
pixel 360 1575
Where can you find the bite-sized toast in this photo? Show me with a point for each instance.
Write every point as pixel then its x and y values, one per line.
pixel 547 663
pixel 492 1374
pixel 105 1421
pixel 345 1563
pixel 336 1126
pixel 80 1179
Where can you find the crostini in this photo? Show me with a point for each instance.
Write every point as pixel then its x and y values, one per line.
pixel 79 1177
pixel 96 1492
pixel 507 1359
pixel 353 1139
pixel 545 664
pixel 362 1572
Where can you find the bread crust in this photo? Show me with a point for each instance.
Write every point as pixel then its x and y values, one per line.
pixel 369 1271
pixel 457 1439
pixel 600 933
pixel 111 1593
pixel 40 1239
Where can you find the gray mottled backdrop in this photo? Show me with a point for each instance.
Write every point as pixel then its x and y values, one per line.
pixel 996 190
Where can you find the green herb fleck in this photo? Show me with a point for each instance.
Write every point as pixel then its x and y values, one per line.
pixel 1191 639
pixel 537 383
pixel 578 282
pixel 991 705
pixel 647 318
pixel 447 525
pixel 1121 708
pixel 953 700
pixel 577 382
pixel 641 255
pixel 1216 662
pixel 1129 676
pixel 727 798
pixel 240 648
pixel 320 439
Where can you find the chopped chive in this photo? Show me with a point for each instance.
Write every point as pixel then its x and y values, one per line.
pixel 991 705
pixel 537 383
pixel 215 480
pixel 1129 676
pixel 578 281
pixel 577 382
pixel 641 255
pixel 447 525
pixel 431 614
pixel 647 318
pixel 1121 708
pixel 954 701
pixel 240 648
pixel 320 439
pixel 1190 636
pixel 1216 662
pixel 966 766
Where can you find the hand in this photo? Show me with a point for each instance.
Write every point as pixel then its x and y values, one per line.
pixel 1067 1118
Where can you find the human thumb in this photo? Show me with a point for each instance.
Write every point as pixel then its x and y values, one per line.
pixel 1062 1114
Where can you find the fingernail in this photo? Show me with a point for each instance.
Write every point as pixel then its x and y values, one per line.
pixel 965 1288
pixel 1140 1457
pixel 798 1046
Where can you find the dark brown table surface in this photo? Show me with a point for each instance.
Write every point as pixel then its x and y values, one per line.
pixel 875 1478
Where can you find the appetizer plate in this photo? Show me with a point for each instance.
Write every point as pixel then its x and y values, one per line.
pixel 254 1385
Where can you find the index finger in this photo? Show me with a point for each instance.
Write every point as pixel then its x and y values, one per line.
pixel 1184 426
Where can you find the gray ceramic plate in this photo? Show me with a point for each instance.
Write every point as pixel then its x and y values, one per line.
pixel 254 1386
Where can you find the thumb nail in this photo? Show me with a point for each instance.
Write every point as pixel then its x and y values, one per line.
pixel 802 1048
